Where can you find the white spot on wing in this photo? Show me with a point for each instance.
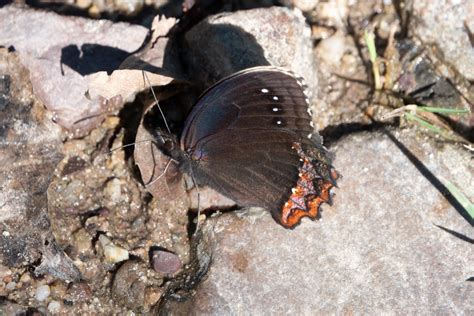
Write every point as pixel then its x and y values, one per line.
pixel 275 109
pixel 278 122
pixel 265 90
pixel 310 135
pixel 275 98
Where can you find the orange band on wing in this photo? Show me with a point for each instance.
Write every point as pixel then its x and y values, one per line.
pixel 311 190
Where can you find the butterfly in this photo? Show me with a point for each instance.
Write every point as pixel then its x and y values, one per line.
pixel 250 137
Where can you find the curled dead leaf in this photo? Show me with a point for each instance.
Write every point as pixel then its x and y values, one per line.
pixel 124 82
pixel 160 174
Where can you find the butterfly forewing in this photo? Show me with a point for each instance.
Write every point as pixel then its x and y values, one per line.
pixel 258 98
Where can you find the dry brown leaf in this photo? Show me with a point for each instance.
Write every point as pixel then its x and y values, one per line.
pixel 124 82
pixel 160 175
pixel 161 26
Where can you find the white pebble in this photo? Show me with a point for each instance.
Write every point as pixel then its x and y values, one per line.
pixel 11 286
pixel 42 292
pixel 54 307
pixel 305 5
pixel 113 253
pixel 332 49
pixel 113 190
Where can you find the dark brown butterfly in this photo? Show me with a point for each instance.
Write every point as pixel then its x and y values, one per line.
pixel 251 138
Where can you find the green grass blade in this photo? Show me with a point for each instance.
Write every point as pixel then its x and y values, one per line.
pixel 370 42
pixel 369 39
pixel 461 198
pixel 423 123
pixel 442 110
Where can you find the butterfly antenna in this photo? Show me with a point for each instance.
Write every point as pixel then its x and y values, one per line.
pixel 162 173
pixel 156 101
pixel 128 145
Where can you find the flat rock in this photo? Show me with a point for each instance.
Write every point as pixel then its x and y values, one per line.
pixel 449 26
pixel 64 53
pixel 225 43
pixel 375 250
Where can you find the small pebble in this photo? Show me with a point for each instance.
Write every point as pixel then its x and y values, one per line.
pixel 84 4
pixel 165 262
pixel 79 292
pixel 83 241
pixel 113 253
pixel 54 307
pixel 332 49
pixel 11 286
pixel 25 278
pixel 113 190
pixel 305 5
pixel 129 7
pixel 4 271
pixel 42 292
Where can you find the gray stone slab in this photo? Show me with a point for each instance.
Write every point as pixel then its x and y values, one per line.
pixel 61 51
pixel 448 25
pixel 376 250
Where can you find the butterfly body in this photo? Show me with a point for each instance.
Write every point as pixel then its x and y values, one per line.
pixel 250 137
